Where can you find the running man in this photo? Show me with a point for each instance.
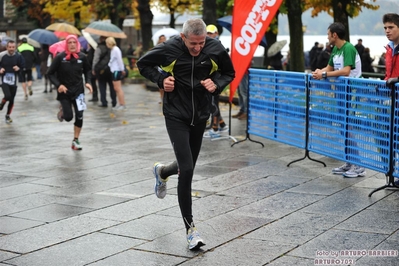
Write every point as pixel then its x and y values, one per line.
pixel 190 68
pixel 11 63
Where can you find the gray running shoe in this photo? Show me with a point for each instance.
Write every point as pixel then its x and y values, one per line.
pixel 160 183
pixel 342 169
pixel 355 171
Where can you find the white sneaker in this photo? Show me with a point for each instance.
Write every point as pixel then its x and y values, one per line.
pixel 224 129
pixel 193 239
pixel 119 108
pixel 212 134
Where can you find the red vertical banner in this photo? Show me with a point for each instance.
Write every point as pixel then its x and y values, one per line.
pixel 250 21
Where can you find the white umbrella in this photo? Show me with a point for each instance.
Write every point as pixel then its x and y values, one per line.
pixel 168 32
pixel 275 48
pixel 90 39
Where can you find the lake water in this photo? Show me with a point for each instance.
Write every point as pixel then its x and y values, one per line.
pixel 376 43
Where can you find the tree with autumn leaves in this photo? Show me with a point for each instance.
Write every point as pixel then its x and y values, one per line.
pixel 79 12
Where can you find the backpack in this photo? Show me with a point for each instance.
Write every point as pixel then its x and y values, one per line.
pixel 102 65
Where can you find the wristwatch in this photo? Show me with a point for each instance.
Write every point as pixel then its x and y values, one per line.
pixel 324 75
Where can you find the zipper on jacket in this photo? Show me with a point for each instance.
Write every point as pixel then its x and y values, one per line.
pixel 192 90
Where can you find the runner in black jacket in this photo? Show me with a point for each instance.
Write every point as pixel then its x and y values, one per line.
pixel 11 62
pixel 190 68
pixel 65 73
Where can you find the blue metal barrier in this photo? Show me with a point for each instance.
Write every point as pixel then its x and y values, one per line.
pixel 277 106
pixel 349 119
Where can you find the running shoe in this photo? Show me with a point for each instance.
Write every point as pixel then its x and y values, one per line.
pixel 26 97
pixel 76 145
pixel 119 108
pixel 194 240
pixel 224 129
pixel 342 169
pixel 30 90
pixel 211 133
pixel 60 114
pixel 160 183
pixel 8 119
pixel 355 171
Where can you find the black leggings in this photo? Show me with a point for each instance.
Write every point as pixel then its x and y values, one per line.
pixel 9 95
pixel 186 141
pixel 68 113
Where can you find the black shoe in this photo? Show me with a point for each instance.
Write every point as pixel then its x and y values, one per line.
pixel 45 91
pixel 2 105
pixel 93 100
pixel 237 114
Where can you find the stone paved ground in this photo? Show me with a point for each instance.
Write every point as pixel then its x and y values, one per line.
pixel 97 206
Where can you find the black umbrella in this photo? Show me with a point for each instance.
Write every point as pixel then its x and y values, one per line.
pixel 227 21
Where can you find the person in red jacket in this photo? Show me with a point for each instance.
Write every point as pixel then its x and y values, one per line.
pixel 391 27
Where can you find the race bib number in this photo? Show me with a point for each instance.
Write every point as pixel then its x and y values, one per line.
pixel 80 102
pixel 9 78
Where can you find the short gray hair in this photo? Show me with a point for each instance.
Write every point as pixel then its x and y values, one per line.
pixel 195 26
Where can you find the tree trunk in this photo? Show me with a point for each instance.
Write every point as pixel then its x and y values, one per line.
pixel 146 17
pixel 172 21
pixel 340 15
pixel 209 11
pixel 297 60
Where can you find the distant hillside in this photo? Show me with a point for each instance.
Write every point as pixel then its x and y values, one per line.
pixel 369 22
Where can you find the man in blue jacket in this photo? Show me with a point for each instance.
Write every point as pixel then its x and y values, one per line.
pixel 190 68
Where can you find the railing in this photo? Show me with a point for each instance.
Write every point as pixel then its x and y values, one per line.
pixel 349 119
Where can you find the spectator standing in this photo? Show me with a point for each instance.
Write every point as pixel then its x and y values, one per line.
pixel 312 54
pixel 11 63
pixel 242 98
pixel 367 61
pixel 25 75
pixel 324 57
pixel 218 125
pixel 45 62
pixel 90 57
pixel 381 63
pixel 101 70
pixel 391 28
pixel 315 56
pixel 344 61
pixel 118 71
pixel 66 73
pixel 190 76
pixel 359 47
pixel 129 55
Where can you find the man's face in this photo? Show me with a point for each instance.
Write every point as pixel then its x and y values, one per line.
pixel 72 47
pixel 392 32
pixel 11 47
pixel 194 43
pixel 331 37
pixel 212 35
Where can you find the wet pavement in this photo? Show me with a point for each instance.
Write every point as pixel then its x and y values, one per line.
pixel 97 206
